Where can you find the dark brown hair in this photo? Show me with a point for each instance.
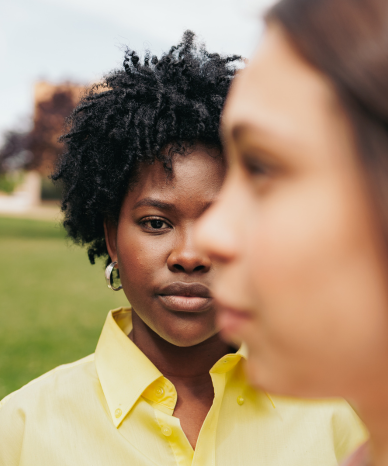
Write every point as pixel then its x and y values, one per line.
pixel 347 40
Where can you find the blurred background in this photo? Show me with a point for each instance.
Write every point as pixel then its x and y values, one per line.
pixel 52 301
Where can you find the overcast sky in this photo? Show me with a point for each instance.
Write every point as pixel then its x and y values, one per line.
pixel 80 40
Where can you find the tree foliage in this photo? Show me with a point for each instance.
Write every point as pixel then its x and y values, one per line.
pixel 39 148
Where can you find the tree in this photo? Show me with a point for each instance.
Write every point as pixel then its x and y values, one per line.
pixel 39 148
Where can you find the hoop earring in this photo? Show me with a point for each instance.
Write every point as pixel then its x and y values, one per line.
pixel 108 277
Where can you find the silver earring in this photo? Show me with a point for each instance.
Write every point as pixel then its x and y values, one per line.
pixel 108 277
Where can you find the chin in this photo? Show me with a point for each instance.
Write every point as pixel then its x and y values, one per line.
pixel 185 338
pixel 185 341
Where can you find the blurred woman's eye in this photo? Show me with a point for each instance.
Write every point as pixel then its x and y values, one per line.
pixel 155 224
pixel 254 166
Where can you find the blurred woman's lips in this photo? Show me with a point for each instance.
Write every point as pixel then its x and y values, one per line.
pixel 185 297
pixel 230 320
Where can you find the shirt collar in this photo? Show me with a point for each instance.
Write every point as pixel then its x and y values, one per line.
pixel 243 351
pixel 125 372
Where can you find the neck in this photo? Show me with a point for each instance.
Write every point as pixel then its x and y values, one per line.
pixel 176 362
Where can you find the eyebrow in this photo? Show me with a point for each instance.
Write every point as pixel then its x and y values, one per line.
pixel 239 130
pixel 151 202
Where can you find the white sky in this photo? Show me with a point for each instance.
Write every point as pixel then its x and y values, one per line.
pixel 80 40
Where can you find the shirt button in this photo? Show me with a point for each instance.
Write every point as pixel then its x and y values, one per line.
pixel 159 391
pixel 118 412
pixel 167 431
pixel 240 400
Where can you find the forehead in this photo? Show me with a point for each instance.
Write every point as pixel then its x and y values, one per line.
pixel 278 90
pixel 196 176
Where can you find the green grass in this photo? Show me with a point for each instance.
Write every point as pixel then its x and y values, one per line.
pixel 53 303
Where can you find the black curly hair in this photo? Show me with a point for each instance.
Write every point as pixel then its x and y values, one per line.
pixel 143 113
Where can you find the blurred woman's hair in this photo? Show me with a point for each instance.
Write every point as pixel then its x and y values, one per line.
pixel 347 40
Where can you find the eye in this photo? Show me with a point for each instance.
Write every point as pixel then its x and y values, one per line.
pixel 157 224
pixel 153 224
pixel 254 166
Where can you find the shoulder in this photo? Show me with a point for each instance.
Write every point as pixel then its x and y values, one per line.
pixel 334 418
pixel 337 410
pixel 29 414
pixel 64 376
pixel 337 413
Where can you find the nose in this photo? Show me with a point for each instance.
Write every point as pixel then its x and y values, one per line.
pixel 215 233
pixel 186 257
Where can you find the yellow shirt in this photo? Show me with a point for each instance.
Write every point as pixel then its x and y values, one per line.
pixel 115 408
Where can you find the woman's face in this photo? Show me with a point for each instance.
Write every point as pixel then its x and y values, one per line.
pixel 301 275
pixel 165 277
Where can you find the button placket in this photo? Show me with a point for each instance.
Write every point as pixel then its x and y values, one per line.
pixel 171 430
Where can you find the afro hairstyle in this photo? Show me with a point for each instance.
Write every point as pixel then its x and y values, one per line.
pixel 145 112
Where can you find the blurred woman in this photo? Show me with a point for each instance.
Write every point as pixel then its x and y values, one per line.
pixel 300 231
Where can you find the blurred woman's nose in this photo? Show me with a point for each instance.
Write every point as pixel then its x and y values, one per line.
pixel 214 233
pixel 186 257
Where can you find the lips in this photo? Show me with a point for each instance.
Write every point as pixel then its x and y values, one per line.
pixel 231 321
pixel 185 297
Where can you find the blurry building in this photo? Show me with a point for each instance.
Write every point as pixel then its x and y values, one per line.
pixel 34 153
pixel 52 104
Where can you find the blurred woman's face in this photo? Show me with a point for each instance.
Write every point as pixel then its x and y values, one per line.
pixel 301 275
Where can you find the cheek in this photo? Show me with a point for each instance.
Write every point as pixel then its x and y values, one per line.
pixel 140 258
pixel 315 282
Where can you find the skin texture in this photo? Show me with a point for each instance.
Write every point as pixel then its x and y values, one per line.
pixel 302 267
pixel 153 245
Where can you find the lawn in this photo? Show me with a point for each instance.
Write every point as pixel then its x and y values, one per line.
pixel 53 303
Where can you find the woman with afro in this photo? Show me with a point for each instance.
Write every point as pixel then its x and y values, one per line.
pixel 143 161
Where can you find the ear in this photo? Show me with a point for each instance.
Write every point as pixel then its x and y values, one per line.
pixel 110 230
